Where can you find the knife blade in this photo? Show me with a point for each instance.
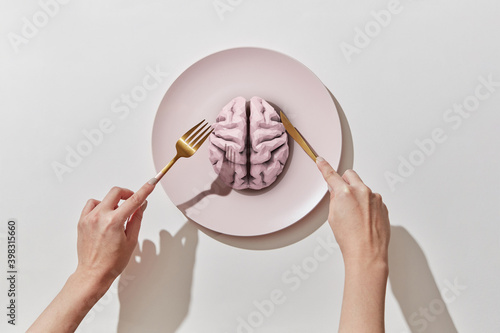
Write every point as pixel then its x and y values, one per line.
pixel 295 134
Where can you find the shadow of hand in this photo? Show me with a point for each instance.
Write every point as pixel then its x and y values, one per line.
pixel 414 286
pixel 155 292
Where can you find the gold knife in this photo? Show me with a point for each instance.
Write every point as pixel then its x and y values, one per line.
pixel 294 133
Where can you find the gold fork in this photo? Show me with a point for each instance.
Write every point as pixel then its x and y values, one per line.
pixel 186 146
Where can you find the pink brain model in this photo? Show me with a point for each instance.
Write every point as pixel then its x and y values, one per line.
pixel 248 149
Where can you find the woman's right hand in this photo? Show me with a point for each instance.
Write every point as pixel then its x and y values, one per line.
pixel 360 223
pixel 358 217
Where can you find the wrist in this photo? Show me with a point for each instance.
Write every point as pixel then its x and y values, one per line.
pixel 93 285
pixel 369 267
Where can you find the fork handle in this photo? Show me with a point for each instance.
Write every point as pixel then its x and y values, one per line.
pixel 162 173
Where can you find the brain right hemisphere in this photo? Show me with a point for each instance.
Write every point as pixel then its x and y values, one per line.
pixel 248 149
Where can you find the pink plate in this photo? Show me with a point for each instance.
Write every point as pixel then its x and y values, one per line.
pixel 200 93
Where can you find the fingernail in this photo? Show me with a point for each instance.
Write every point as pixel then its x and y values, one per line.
pixel 319 159
pixel 144 205
pixel 330 189
pixel 152 181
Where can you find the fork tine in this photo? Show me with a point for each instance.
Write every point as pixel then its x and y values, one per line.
pixel 198 145
pixel 194 137
pixel 194 140
pixel 184 137
pixel 232 154
pixel 232 158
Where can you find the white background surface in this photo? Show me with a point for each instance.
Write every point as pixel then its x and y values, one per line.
pixel 393 92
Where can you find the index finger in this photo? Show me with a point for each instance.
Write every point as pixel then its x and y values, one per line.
pixel 129 206
pixel 331 176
